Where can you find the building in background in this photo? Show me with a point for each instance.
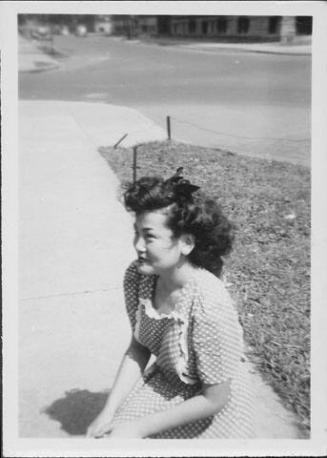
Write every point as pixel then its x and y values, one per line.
pixel 103 24
pixel 31 24
pixel 123 24
pixel 215 28
pixel 241 28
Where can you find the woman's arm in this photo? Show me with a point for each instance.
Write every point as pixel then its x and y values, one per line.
pixel 212 399
pixel 130 370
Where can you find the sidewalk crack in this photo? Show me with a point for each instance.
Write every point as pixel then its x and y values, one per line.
pixel 74 293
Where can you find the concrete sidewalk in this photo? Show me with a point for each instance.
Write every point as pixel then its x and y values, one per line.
pixel 266 48
pixel 299 47
pixel 75 243
pixel 32 59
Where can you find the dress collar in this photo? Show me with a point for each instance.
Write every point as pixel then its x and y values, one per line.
pixel 146 297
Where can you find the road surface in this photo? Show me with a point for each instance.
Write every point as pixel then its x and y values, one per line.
pixel 255 104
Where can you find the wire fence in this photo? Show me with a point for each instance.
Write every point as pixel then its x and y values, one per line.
pixel 287 142
pixel 240 137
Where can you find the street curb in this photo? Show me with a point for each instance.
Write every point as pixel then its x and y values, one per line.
pixel 236 47
pixel 259 51
pixel 283 53
pixel 45 68
pixel 242 50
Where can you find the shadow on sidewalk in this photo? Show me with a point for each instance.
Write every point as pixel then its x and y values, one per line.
pixel 76 410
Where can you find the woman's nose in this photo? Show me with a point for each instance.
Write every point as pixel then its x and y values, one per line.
pixel 139 243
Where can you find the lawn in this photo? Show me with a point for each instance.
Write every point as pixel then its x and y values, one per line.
pixel 268 271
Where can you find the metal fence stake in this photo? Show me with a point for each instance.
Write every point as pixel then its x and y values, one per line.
pixel 168 128
pixel 120 140
pixel 134 163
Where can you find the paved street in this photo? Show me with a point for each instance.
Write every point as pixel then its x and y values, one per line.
pixel 255 104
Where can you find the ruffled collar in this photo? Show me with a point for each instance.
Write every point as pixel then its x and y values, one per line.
pixel 146 298
pixel 151 312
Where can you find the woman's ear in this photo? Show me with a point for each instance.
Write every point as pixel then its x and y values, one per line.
pixel 187 243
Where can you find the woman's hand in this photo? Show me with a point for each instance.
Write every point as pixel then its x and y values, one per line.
pixel 100 426
pixel 127 430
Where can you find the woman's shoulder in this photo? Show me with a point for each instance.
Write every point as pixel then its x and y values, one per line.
pixel 211 293
pixel 206 283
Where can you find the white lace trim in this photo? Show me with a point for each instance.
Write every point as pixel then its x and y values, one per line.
pixel 151 312
pixel 182 362
pixel 137 323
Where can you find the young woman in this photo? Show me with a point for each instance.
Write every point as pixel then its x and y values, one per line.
pixel 180 312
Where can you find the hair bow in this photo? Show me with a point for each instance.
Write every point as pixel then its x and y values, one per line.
pixel 180 185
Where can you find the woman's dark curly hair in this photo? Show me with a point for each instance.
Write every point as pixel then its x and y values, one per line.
pixel 189 212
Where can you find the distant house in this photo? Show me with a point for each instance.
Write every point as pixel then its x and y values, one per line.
pixel 218 28
pixel 147 25
pixel 245 28
pixel 123 24
pixel 103 24
pixel 140 25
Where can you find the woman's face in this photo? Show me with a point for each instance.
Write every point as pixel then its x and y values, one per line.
pixel 157 249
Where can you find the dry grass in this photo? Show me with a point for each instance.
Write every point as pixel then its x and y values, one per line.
pixel 269 269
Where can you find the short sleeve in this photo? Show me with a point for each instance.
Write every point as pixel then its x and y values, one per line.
pixel 217 336
pixel 131 289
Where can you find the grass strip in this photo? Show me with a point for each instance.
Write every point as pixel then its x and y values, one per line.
pixel 268 271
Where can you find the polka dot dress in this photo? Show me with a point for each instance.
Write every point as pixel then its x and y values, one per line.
pixel 200 342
